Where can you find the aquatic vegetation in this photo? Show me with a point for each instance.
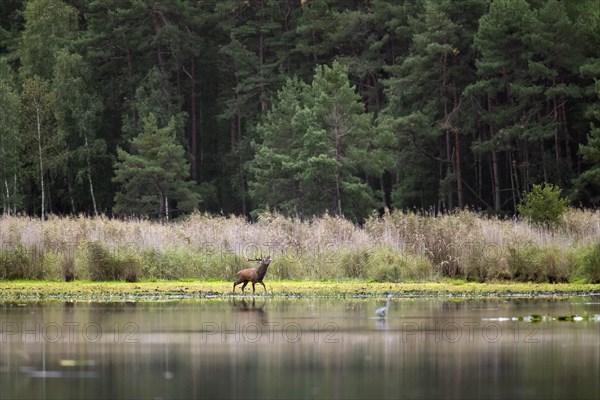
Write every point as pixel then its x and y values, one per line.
pixel 158 290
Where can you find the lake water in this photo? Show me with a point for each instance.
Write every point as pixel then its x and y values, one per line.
pixel 301 348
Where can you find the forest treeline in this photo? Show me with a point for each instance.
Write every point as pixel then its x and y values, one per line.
pixel 159 107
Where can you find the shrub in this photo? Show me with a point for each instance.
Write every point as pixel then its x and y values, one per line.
pixel 354 263
pixel 222 266
pixel 387 265
pixel 172 263
pixel 588 262
pixel 539 264
pixel 105 265
pixel 483 262
pixel 286 268
pixel 21 262
pixel 543 205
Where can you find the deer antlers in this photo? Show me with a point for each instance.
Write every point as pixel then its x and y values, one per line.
pixel 261 258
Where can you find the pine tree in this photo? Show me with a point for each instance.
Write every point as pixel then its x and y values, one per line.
pixel 314 151
pixel 344 143
pixel 425 104
pixel 154 174
pixel 588 182
pixel 274 170
pixel 154 96
pixel 502 67
pixel 258 50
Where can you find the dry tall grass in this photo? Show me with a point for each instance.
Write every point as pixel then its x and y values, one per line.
pixel 397 247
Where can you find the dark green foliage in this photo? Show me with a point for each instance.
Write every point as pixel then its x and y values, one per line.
pixel 427 104
pixel 77 110
pixel 9 141
pixel 313 149
pixel 49 26
pixel 544 205
pixel 154 175
pixel 588 183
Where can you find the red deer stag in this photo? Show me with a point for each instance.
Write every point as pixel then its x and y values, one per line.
pixel 254 275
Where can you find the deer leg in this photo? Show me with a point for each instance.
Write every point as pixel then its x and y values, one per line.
pixel 261 282
pixel 244 285
pixel 237 282
pixel 253 288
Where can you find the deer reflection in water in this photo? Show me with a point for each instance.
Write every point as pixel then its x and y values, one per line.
pixel 251 311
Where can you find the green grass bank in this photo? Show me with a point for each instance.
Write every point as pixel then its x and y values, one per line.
pixel 29 290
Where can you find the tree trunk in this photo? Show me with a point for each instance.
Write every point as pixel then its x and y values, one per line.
pixel 517 186
pixel 512 181
pixel 241 166
pixel 14 208
pixel 377 97
pixel 544 169
pixel 161 210
pixel 338 193
pixel 443 96
pixel 495 175
pixel 457 168
pixel 386 206
pixel 232 132
pixel 194 143
pixel 526 172
pixel 557 141
pixel 39 132
pixel 441 199
pixel 167 207
pixel 89 174
pixel 479 169
pixel 7 199
pixel 449 168
pixel 261 55
pixel 49 194
pixel 457 160
pixel 157 29
pixel 70 188
pixel 496 180
pixel 565 128
pixel 261 63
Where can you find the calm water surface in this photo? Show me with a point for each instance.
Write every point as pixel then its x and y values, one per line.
pixel 301 348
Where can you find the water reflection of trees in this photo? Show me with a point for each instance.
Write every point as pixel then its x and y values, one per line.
pixel 172 358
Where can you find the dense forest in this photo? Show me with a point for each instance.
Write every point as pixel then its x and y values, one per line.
pixel 160 107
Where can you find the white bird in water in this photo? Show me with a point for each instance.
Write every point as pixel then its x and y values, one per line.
pixel 382 311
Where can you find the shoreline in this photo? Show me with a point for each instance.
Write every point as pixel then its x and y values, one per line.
pixel 11 291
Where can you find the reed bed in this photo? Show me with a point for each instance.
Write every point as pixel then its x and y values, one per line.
pixel 398 247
